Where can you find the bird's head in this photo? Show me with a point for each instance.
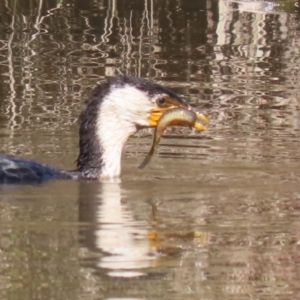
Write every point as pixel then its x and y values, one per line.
pixel 140 103
pixel 118 108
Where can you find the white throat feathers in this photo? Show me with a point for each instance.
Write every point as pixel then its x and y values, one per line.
pixel 114 127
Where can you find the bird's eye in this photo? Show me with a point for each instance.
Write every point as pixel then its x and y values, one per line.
pixel 161 102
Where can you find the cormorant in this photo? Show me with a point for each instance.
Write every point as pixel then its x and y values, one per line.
pixel 115 110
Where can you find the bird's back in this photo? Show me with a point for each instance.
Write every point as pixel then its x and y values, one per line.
pixel 16 170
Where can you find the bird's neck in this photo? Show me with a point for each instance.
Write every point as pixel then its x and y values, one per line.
pixel 103 135
pixel 112 137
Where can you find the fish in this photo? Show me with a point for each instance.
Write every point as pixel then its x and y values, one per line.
pixel 176 116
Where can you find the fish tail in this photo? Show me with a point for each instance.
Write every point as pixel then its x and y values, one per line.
pixel 145 162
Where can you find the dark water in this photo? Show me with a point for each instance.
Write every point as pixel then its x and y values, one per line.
pixel 216 214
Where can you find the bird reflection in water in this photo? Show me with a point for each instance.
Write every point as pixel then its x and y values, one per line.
pixel 123 241
pixel 127 247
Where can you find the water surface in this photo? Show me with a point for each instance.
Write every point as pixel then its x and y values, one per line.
pixel 216 213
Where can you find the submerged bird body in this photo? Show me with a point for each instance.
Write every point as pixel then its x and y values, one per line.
pixel 116 109
pixel 16 170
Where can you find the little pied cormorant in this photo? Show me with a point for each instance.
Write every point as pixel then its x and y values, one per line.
pixel 116 109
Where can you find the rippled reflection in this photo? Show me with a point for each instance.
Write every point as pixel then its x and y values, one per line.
pixel 123 241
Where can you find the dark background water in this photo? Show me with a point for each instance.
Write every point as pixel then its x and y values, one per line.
pixel 216 214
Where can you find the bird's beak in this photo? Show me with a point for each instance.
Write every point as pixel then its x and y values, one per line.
pixel 156 113
pixel 200 118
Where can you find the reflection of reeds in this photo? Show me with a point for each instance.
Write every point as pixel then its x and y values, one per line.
pixel 56 55
pixel 12 107
pixel 35 47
